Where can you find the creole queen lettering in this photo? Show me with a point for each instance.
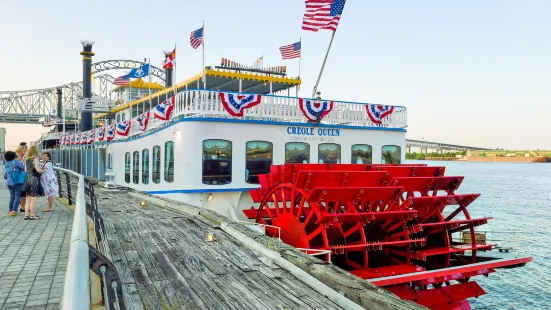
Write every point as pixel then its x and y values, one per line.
pixel 311 131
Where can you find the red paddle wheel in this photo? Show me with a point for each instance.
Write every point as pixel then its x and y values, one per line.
pixel 384 223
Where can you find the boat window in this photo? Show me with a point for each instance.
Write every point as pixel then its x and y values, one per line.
pixel 391 154
pixel 145 166
pixel 258 160
pixel 156 175
pixel 118 118
pixel 329 153
pixel 361 154
pixel 217 164
pixel 297 152
pixel 127 167
pixel 136 169
pixel 123 116
pixel 169 161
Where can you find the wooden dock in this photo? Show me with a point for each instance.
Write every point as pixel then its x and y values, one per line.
pixel 164 261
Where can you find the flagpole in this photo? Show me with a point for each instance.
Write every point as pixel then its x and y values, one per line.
pixel 323 65
pixel 149 73
pixel 299 59
pixel 174 73
pixel 203 69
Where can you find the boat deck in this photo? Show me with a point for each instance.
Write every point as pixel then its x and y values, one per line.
pixel 163 259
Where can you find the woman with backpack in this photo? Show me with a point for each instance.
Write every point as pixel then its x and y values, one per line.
pixel 49 180
pixel 15 175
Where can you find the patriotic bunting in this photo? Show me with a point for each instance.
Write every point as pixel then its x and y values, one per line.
pixel 123 128
pixel 92 136
pixel 101 134
pixel 310 108
pixel 83 138
pixel 110 132
pixel 377 112
pixel 236 104
pixel 163 111
pixel 143 119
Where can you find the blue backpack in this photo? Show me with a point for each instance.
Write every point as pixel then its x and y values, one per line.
pixel 17 175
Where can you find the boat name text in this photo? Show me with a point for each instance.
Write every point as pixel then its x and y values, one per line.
pixel 309 131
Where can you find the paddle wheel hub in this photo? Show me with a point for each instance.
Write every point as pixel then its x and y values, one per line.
pixel 393 225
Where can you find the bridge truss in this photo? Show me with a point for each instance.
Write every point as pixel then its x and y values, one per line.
pixel 30 106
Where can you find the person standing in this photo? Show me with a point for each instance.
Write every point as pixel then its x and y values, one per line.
pixel 15 172
pixel 49 180
pixel 21 151
pixel 32 182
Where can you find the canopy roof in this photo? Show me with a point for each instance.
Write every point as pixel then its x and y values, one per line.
pixel 220 80
pixel 139 83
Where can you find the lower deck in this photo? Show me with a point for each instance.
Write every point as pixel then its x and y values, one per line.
pixel 165 262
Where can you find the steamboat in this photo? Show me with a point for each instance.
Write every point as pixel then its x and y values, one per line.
pixel 321 175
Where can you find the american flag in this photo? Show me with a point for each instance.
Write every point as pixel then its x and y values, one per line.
pixel 322 14
pixel 122 80
pixel 196 38
pixel 290 51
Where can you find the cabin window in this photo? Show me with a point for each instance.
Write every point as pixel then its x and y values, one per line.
pixel 127 167
pixel 259 156
pixel 145 166
pixel 217 164
pixel 391 154
pixel 118 118
pixel 361 154
pixel 123 116
pixel 329 153
pixel 169 162
pixel 156 176
pixel 136 169
pixel 297 152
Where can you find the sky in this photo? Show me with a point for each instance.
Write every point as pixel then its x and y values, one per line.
pixel 470 72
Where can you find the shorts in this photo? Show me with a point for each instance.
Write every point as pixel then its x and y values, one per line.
pixel 24 194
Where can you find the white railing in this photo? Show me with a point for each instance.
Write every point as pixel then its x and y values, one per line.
pixel 207 104
pixel 76 292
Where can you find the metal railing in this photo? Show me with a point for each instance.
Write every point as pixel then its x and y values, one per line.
pixel 76 292
pixel 82 256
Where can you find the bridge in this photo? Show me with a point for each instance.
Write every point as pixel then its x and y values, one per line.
pixel 31 106
pixel 439 147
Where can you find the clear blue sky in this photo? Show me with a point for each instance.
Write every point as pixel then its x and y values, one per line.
pixel 470 72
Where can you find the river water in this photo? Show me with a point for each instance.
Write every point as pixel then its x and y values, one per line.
pixel 518 197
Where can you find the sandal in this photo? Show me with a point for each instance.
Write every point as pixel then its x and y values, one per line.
pixel 27 217
pixel 34 217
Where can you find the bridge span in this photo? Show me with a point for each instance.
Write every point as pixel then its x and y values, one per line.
pixel 439 147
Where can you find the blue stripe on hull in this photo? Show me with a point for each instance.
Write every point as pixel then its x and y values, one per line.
pixel 190 191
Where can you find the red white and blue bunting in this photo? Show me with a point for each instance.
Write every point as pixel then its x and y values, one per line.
pixel 92 136
pixel 101 134
pixel 310 108
pixel 83 138
pixel 143 119
pixel 123 128
pixel 377 113
pixel 163 111
pixel 236 104
pixel 111 132
pixel 77 138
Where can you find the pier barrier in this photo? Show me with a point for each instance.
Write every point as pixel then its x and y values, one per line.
pixel 83 257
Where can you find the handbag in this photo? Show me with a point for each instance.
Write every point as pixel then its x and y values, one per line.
pixel 17 175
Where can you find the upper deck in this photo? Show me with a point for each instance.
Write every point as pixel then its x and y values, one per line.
pixel 208 105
